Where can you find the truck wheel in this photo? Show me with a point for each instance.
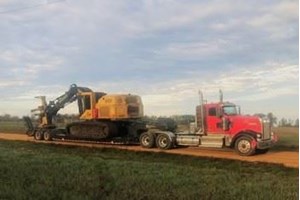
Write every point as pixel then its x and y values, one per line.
pixel 39 135
pixel 47 135
pixel 147 140
pixel 163 141
pixel 261 151
pixel 244 147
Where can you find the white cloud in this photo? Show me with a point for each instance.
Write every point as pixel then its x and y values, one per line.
pixel 180 96
pixel 261 83
pixel 273 19
pixel 287 9
pixel 10 83
pixel 198 50
pixel 23 65
pixel 163 16
pixel 226 25
pixel 153 42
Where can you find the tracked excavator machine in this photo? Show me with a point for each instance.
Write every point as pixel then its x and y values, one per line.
pixel 101 116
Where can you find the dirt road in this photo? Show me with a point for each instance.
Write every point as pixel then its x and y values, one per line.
pixel 287 158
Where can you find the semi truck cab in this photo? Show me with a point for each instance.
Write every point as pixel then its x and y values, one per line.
pixel 219 125
pixel 247 134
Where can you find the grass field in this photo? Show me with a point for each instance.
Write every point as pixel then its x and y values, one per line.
pixel 12 127
pixel 288 138
pixel 49 171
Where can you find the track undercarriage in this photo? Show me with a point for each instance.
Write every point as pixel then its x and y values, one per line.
pixel 93 129
pixel 103 130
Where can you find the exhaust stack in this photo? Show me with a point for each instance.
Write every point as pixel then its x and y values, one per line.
pixel 201 102
pixel 221 96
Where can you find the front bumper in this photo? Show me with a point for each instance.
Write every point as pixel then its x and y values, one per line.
pixel 266 144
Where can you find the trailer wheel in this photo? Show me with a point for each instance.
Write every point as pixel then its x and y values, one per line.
pixel 47 135
pixel 39 135
pixel 163 141
pixel 243 146
pixel 147 140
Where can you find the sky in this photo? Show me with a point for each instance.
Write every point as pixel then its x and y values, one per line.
pixel 163 50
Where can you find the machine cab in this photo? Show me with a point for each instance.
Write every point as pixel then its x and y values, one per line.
pixel 86 104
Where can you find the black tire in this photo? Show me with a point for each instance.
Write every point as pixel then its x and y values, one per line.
pixel 39 135
pixel 147 140
pixel 262 151
pixel 163 141
pixel 243 146
pixel 48 135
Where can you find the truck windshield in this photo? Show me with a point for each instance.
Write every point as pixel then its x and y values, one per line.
pixel 230 110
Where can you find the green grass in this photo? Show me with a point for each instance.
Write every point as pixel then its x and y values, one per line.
pixel 288 138
pixel 49 171
pixel 12 127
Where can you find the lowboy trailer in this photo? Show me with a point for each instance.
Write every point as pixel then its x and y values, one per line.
pixel 112 118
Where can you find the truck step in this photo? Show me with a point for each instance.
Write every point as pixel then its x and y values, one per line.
pixel 215 141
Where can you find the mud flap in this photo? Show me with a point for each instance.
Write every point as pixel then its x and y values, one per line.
pixel 29 126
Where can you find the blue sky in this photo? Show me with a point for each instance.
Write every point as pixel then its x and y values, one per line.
pixel 163 50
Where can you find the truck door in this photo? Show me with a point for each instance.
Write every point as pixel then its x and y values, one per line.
pixel 214 123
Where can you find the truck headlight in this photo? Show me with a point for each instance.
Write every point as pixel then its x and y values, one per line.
pixel 258 136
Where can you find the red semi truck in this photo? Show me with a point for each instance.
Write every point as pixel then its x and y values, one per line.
pixel 218 125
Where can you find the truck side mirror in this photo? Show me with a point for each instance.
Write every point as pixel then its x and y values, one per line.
pixel 226 124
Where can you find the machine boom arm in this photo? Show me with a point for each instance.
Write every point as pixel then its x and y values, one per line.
pixel 60 102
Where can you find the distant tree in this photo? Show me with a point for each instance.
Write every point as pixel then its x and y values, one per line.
pixel 297 122
pixel 272 118
pixel 290 123
pixel 261 115
pixel 286 122
pixel 8 117
pixel 283 122
pixel 183 119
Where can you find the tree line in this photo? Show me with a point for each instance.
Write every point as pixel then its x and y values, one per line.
pixel 283 122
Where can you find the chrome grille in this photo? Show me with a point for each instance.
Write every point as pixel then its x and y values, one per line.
pixel 266 130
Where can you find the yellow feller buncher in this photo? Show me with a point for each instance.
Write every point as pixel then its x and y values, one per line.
pixel 101 116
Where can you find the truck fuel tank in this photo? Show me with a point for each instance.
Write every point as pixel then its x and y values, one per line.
pixel 188 140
